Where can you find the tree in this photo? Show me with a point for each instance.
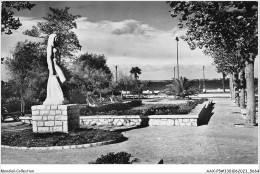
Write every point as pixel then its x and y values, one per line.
pixel 135 71
pixel 92 73
pixel 181 87
pixel 61 22
pixel 125 82
pixel 231 25
pixel 229 63
pixel 113 86
pixel 8 21
pixel 7 91
pixel 138 87
pixel 26 62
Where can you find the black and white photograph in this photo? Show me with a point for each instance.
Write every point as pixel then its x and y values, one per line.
pixel 90 86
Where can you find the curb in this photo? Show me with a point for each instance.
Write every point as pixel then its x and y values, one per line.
pixel 61 147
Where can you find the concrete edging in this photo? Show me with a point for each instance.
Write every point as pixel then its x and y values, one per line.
pixel 60 147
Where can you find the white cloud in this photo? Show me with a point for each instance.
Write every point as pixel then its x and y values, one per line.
pixel 8 42
pixel 130 43
pixel 117 28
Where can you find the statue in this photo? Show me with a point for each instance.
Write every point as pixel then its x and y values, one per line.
pixel 54 91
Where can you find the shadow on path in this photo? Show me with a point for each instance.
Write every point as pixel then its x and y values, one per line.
pixel 205 114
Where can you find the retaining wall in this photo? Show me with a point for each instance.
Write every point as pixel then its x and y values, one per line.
pixel 190 119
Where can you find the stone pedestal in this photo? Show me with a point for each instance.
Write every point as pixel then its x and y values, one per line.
pixel 55 118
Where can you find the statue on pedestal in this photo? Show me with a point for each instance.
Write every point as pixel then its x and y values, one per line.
pixel 54 91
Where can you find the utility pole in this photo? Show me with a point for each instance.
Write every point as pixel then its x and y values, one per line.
pixel 116 73
pixel 174 73
pixel 178 72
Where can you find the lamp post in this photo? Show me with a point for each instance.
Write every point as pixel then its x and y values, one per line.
pixel 178 72
pixel 204 87
pixel 174 73
pixel 116 73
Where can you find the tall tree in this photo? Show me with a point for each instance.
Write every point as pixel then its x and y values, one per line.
pixel 92 73
pixel 135 71
pixel 223 24
pixel 229 63
pixel 61 22
pixel 23 66
pixel 8 21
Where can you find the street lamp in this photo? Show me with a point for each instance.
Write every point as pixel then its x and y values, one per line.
pixel 116 73
pixel 178 73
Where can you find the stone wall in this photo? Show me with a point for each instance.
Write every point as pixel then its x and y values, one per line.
pixel 136 120
pixel 190 119
pixel 55 118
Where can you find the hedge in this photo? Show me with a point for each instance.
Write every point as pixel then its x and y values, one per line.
pixel 124 109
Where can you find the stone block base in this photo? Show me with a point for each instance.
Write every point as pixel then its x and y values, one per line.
pixel 55 118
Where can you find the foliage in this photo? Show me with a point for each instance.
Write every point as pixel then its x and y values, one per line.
pixel 125 82
pixel 118 109
pixel 28 69
pixel 29 72
pixel 230 26
pixel 8 21
pixel 135 70
pixel 59 21
pixel 111 158
pixel 88 110
pixel 91 73
pixel 7 91
pixel 113 87
pixel 181 87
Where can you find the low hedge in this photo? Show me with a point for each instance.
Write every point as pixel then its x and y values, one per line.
pixel 88 110
pixel 156 110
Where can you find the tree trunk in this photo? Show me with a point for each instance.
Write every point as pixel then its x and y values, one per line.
pixel 223 81
pixel 243 87
pixel 100 97
pixel 251 103
pixel 231 87
pixel 236 87
pixel 22 101
pixel 242 98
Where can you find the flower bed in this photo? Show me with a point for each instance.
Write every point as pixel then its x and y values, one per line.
pixel 124 109
pixel 27 138
pixel 168 119
pixel 88 110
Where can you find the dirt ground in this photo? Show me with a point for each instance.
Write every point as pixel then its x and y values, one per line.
pixel 219 142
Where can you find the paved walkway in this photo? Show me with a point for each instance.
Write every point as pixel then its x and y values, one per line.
pixel 219 142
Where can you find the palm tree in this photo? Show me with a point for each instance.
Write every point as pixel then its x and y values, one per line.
pixel 181 87
pixel 135 70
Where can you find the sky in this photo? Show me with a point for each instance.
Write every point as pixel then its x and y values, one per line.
pixel 129 34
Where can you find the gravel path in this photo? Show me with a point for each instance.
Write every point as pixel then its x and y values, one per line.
pixel 219 142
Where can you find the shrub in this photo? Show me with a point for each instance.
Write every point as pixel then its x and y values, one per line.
pixel 109 109
pixel 111 158
pixel 155 110
pixel 181 87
